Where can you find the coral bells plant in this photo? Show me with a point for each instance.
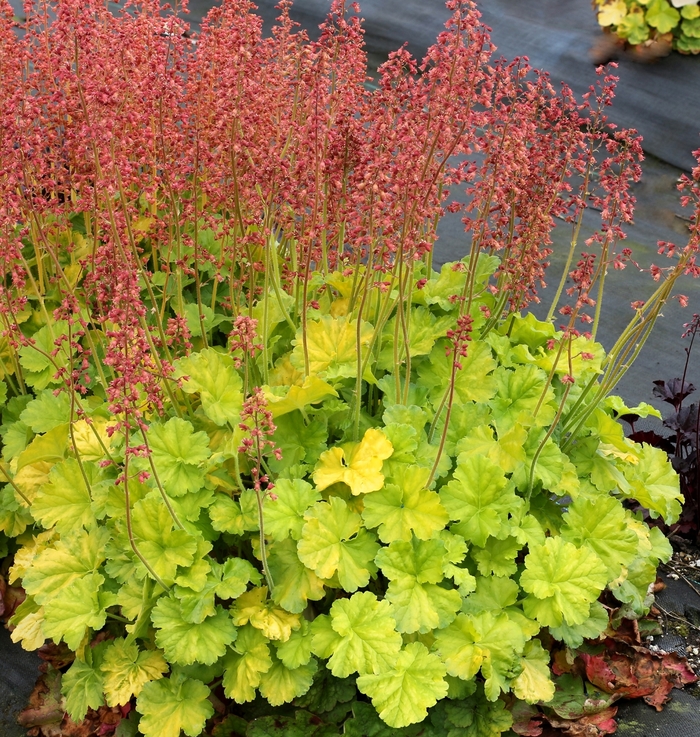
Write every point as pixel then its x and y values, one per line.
pixel 254 447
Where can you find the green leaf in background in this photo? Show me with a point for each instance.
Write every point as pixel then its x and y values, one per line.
pixel 359 636
pixel 424 328
pixel 58 567
pixel 405 508
pixel 476 716
pixel 3 393
pixel 15 516
pixel 295 584
pixel 299 442
pixel 284 515
pixel 178 453
pixel 563 581
pixel 72 611
pixel 280 685
pixel 497 557
pixel 38 360
pixel 220 388
pixel 662 15
pixel 655 485
pixel 332 347
pixel 473 382
pixel 490 642
pixel 236 517
pixel 574 635
pixel 245 664
pixel 184 642
pixel 82 687
pixel 164 548
pixel 332 540
pixel 126 670
pixel 633 27
pixel 46 411
pixel 518 393
pixel 403 694
pixel 173 705
pixel 65 501
pixel 414 568
pixel 479 498
pixel 296 650
pixel 601 525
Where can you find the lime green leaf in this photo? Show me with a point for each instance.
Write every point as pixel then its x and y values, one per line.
pixel 178 453
pixel 534 684
pixel 479 497
pixel 210 318
pixel 27 622
pixel 424 328
pixel 472 382
pixel 405 508
pixel 14 515
pixel 279 685
pixel 601 524
pixel 299 442
pixel 38 359
pixel 312 391
pixel 633 27
pixel 414 568
pixel 46 411
pixel 563 581
pixel 592 628
pixel 65 501
pixel 127 670
pixel 273 622
pixel 518 394
pixel 57 568
pixel 284 515
pixel 489 641
pixel 332 347
pixel 359 636
pixel 184 642
pixel 236 517
pixel 633 589
pixel 3 392
pixel 497 557
pixel 690 12
pixel 464 419
pixel 72 611
pixel 655 484
pixel 296 650
pixel 81 685
pixel 403 694
pixel 49 448
pixel 332 541
pixel 493 593
pixel 171 705
pixel 164 548
pixel 662 16
pixel 245 664
pixel 213 376
pixel 295 584
pixel 358 465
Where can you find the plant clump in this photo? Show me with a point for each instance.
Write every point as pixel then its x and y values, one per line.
pixel 262 463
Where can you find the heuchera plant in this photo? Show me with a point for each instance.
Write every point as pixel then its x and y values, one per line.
pixel 252 443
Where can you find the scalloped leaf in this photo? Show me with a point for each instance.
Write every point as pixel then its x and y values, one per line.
pixel 333 540
pixel 562 582
pixel 211 374
pixel 359 636
pixel 479 498
pixel 245 664
pixel 414 568
pixel 184 642
pixel 403 694
pixel 284 515
pixel 173 705
pixel 405 508
pixel 126 670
